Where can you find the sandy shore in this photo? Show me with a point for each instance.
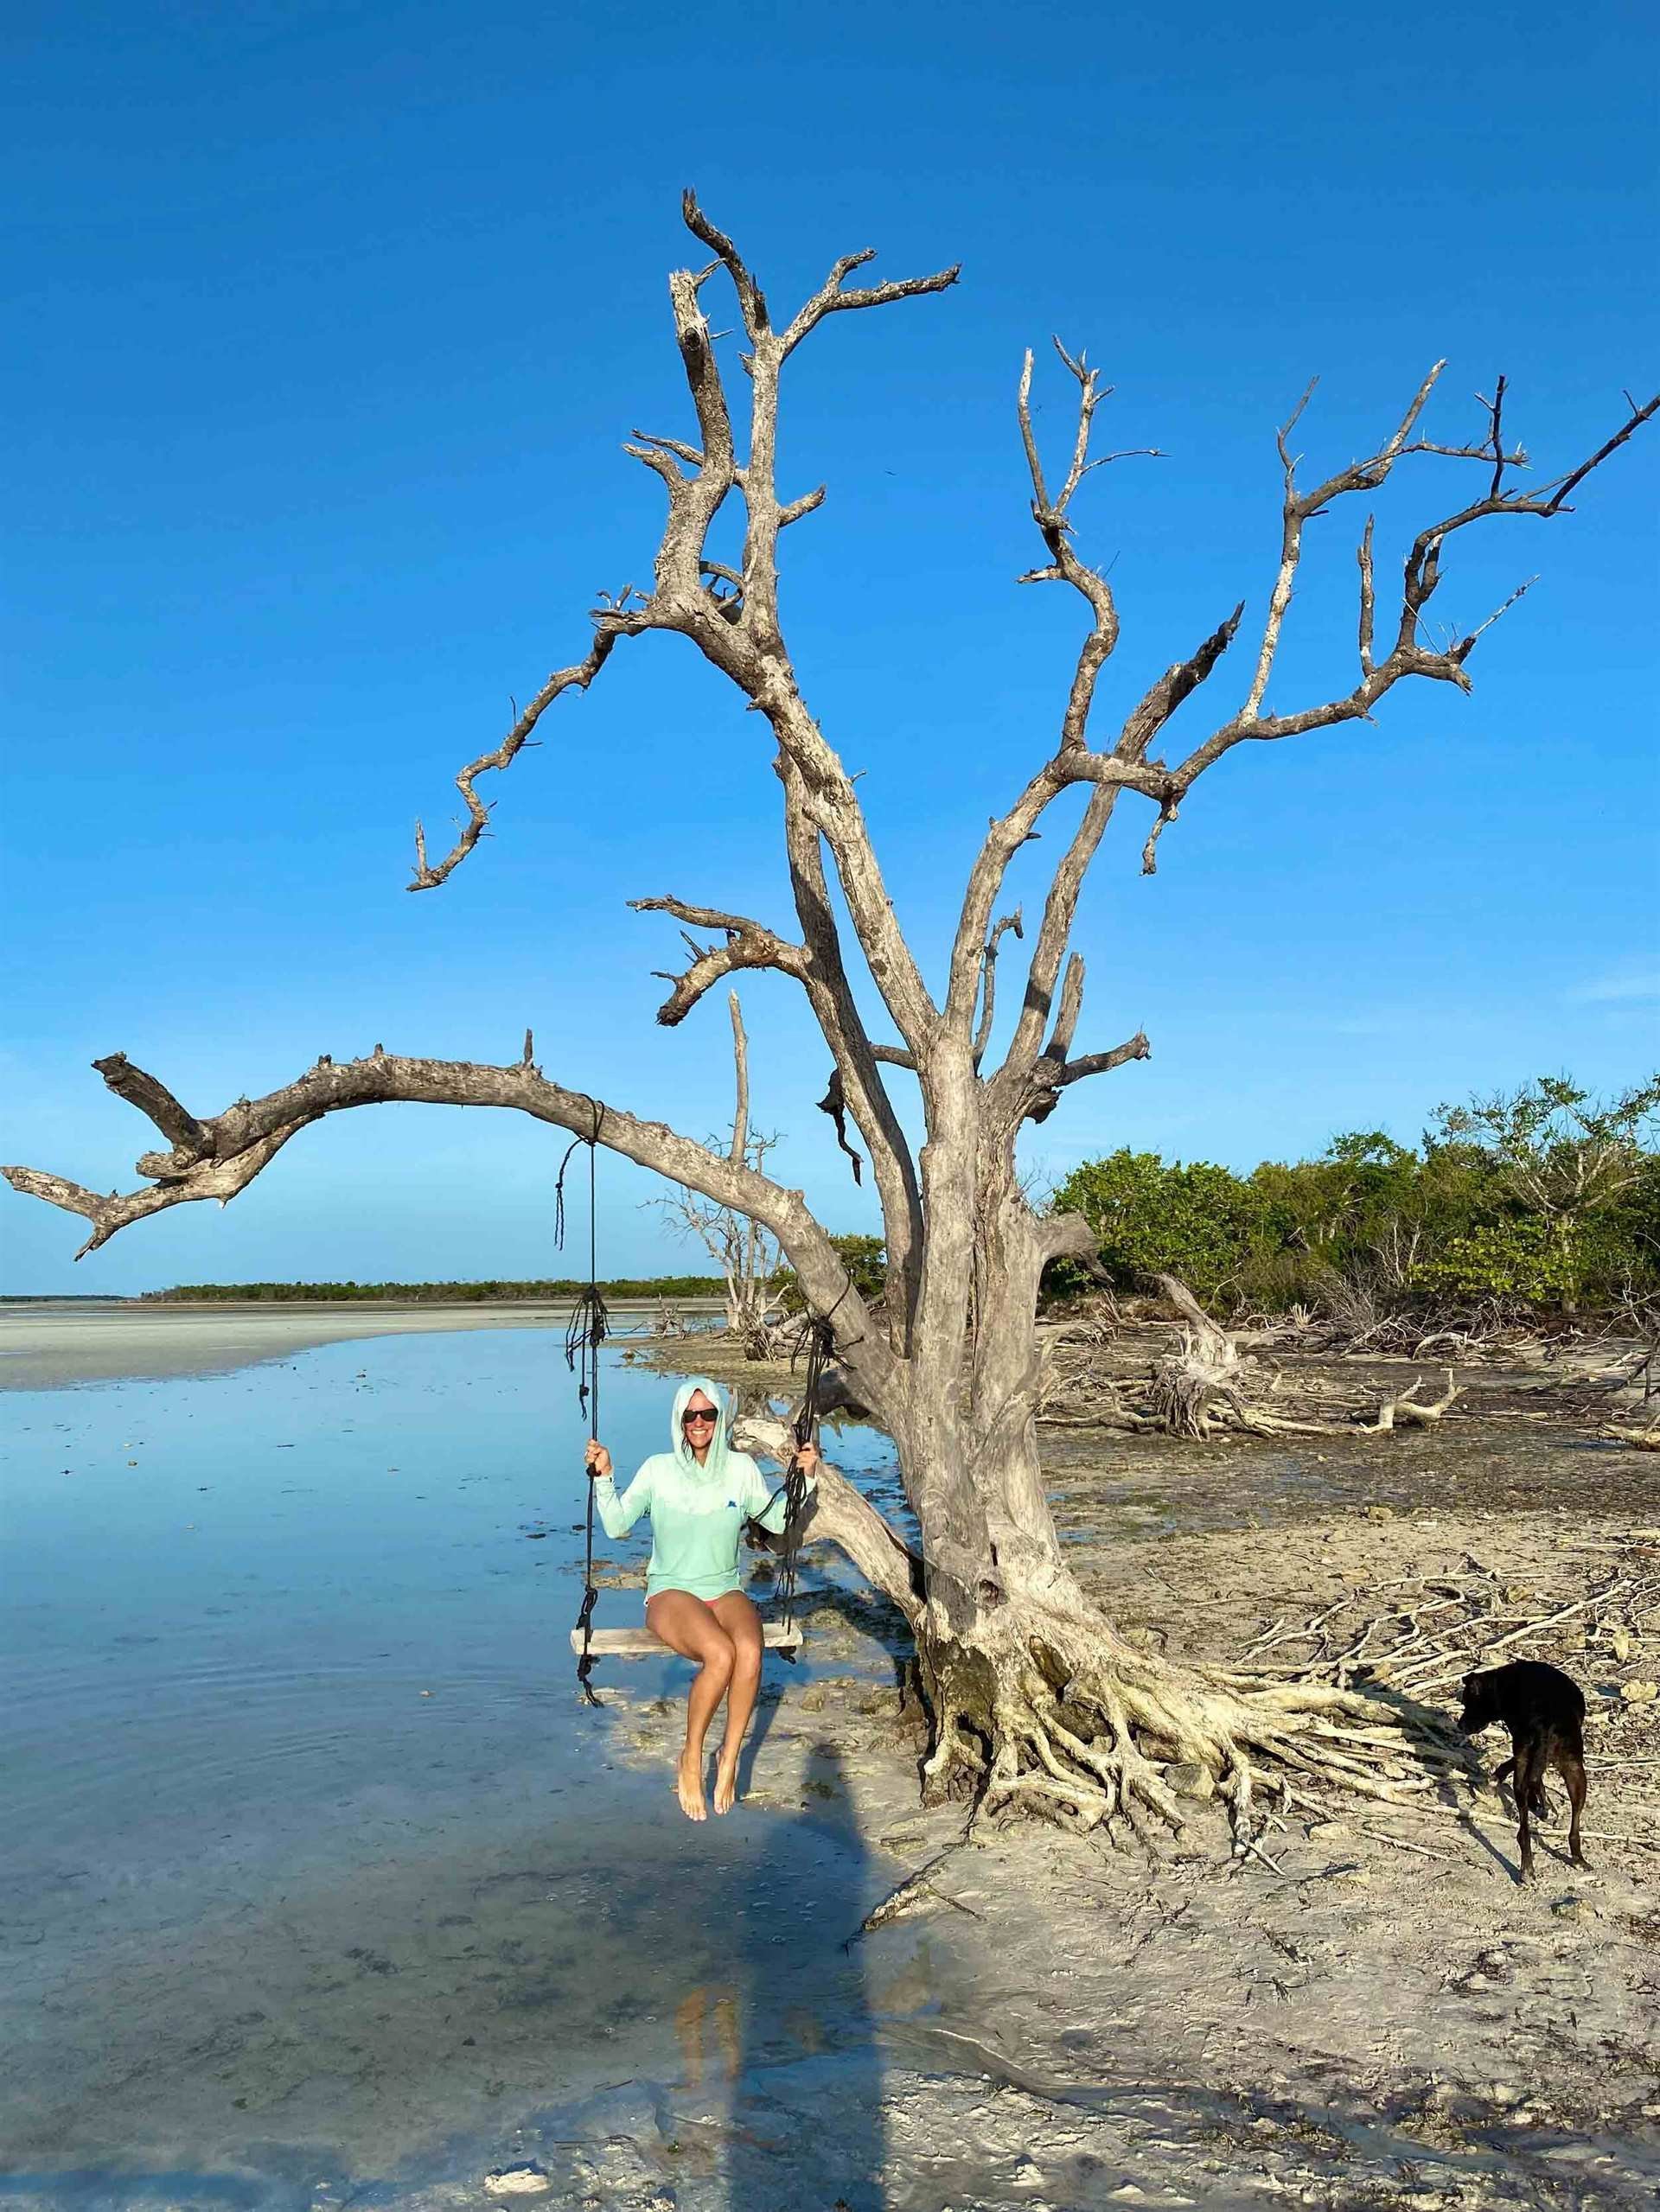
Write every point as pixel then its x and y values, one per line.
pixel 1371 2013
pixel 1368 2012
pixel 46 1345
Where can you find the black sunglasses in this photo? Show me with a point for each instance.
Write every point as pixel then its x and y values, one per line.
pixel 698 1413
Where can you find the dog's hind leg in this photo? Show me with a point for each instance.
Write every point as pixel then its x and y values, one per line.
pixel 1539 1804
pixel 1571 1767
pixel 1525 1787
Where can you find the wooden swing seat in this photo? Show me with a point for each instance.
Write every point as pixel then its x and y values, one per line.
pixel 639 1643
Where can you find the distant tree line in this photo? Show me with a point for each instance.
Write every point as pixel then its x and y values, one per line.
pixel 626 1286
pixel 1541 1199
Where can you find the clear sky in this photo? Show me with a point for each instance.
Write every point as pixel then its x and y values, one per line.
pixel 327 322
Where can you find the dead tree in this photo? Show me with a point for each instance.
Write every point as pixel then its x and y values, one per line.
pixel 1036 1699
pixel 746 1254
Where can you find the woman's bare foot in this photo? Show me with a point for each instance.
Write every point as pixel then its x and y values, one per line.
pixel 725 1781
pixel 688 1786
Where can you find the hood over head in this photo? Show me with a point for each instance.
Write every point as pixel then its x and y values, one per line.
pixel 715 1465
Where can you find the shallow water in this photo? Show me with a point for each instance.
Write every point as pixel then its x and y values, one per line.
pixel 319 1885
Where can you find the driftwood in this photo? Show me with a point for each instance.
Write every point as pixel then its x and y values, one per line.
pixel 1418 1636
pixel 1210 1385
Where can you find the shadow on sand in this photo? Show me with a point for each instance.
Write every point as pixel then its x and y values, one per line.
pixel 779 2099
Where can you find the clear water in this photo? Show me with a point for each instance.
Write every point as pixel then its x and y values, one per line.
pixel 317 1883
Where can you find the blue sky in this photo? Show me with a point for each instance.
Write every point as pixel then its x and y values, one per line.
pixel 329 320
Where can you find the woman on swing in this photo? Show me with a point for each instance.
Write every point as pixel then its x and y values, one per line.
pixel 699 1494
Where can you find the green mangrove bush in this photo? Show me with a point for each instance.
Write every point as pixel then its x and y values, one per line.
pixel 1543 1200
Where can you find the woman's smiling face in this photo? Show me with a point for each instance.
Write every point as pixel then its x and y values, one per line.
pixel 697 1424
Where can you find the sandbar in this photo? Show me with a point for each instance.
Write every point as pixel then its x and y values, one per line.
pixel 48 1345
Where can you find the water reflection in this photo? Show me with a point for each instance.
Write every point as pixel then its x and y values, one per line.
pixel 317 1870
pixel 779 2096
pixel 706 2020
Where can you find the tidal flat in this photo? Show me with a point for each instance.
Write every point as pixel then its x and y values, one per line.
pixel 48 1343
pixel 318 1880
pixel 319 1887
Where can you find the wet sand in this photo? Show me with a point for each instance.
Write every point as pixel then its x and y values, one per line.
pixel 319 1883
pixel 1374 2013
pixel 48 1345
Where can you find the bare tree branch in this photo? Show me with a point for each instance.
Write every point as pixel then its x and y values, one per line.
pixel 1563 485
pixel 1422 569
pixel 751 300
pixel 807 504
pixel 219 1179
pixel 1102 1063
pixel 988 980
pixel 865 1094
pixel 678 601
pixel 747 945
pixel 1055 525
pixel 817 965
pixel 577 678
pixel 1124 767
pixel 1060 908
pixel 738 633
pixel 1367 599
pixel 747 643
pixel 831 298
pixel 153 1099
pixel 1066 1017
pixel 1051 1074
pixel 1008 832
pixel 229 1150
pixel 689 454
pixel 1178 682
pixel 740 1148
pixel 1408 656
pixel 1005 837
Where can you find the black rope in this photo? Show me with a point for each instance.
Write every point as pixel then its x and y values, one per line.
pixel 819 1344
pixel 586 1331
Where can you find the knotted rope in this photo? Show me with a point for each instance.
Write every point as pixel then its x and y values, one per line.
pixel 819 1344
pixel 586 1331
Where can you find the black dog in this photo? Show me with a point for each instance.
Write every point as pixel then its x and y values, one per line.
pixel 1544 1712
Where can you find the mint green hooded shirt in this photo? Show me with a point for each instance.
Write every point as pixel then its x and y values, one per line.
pixel 697 1513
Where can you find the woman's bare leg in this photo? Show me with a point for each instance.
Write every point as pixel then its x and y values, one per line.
pixel 743 1625
pixel 687 1625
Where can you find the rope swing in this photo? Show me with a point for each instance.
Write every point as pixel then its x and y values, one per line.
pixel 820 1344
pixel 584 1338
pixel 586 1331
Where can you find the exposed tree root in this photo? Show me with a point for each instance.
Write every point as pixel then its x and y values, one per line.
pixel 1209 1384
pixel 1051 1714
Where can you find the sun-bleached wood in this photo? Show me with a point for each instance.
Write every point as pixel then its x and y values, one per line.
pixel 639 1643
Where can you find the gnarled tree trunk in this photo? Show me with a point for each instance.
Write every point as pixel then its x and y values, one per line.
pixel 1037 1700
